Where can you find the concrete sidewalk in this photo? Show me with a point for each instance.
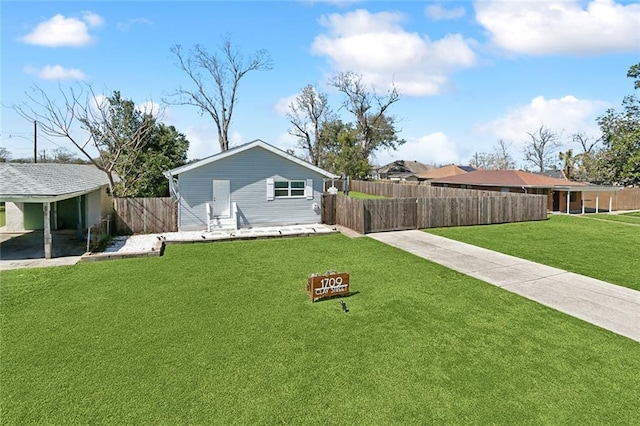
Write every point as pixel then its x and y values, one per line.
pixel 606 305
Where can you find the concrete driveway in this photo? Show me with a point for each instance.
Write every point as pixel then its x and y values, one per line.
pixel 606 305
pixel 19 250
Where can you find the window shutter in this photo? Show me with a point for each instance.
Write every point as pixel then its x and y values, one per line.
pixel 308 190
pixel 270 190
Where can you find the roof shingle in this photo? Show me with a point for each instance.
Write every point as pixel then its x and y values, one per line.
pixel 49 179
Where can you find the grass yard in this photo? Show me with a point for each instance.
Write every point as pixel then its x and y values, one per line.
pixel 626 218
pixel 224 333
pixel 605 250
pixel 362 195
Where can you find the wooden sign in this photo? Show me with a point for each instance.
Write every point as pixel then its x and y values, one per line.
pixel 330 284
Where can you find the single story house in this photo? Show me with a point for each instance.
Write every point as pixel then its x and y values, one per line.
pixel 445 171
pixel 399 170
pixel 51 196
pixel 563 195
pixel 252 185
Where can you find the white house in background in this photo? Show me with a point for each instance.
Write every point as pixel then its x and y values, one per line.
pixel 252 185
pixel 51 196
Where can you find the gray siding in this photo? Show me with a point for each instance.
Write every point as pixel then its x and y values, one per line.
pixel 248 172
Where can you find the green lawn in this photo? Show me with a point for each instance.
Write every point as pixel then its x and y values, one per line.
pixel 224 333
pixel 362 195
pixel 600 249
pixel 626 218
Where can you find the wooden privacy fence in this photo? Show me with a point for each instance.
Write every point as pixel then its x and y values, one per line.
pixel 145 215
pixel 418 190
pixel 366 216
pixel 624 199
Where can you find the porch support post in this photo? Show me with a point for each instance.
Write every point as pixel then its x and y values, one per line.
pixel 610 202
pixel 79 225
pixel 568 199
pixel 597 201
pixel 46 207
pixel 582 201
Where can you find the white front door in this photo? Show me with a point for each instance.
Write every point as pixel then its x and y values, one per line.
pixel 221 205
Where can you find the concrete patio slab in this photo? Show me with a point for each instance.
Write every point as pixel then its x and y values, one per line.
pixel 606 305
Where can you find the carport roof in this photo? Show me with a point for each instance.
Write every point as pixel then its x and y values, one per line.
pixel 48 181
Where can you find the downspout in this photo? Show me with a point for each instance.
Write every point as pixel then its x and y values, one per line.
pixel 524 189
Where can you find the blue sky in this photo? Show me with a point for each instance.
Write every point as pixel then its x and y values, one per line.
pixel 470 73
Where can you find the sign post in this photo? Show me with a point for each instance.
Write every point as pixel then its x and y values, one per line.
pixel 320 286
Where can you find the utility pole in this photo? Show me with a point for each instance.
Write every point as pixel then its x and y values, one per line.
pixel 35 141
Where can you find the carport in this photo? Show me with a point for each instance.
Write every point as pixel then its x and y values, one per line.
pixel 587 189
pixel 52 196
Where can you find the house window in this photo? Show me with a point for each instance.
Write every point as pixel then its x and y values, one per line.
pixel 289 188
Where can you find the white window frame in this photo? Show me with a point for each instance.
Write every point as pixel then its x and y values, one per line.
pixel 289 189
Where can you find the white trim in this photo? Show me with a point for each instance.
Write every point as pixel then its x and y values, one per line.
pixel 270 189
pixel 308 189
pixel 241 148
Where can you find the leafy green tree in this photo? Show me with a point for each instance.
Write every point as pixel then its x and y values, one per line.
pixel 166 149
pixel 108 131
pixel 343 155
pixel 124 140
pixel 120 132
pixel 568 160
pixel 620 160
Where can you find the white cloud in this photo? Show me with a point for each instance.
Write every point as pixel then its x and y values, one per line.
pixel 437 12
pixel 56 73
pixel 153 108
pixel 61 31
pixel 203 141
pixel 565 26
pixel 92 19
pixel 126 26
pixel 282 106
pixel 568 114
pixel 376 46
pixel 435 148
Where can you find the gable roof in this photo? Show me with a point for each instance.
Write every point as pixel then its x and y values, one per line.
pixel 450 170
pixel 41 182
pixel 510 178
pixel 245 147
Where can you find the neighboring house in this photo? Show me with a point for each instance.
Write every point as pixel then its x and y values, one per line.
pixel 252 185
pixel 53 196
pixel 558 191
pixel 445 171
pixel 400 170
pixel 558 174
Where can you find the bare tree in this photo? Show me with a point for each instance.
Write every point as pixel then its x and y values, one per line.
pixel 587 143
pixel 5 155
pixel 306 114
pixel 499 159
pixel 502 159
pixel 96 126
pixel 481 160
pixel 215 78
pixel 374 126
pixel 541 149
